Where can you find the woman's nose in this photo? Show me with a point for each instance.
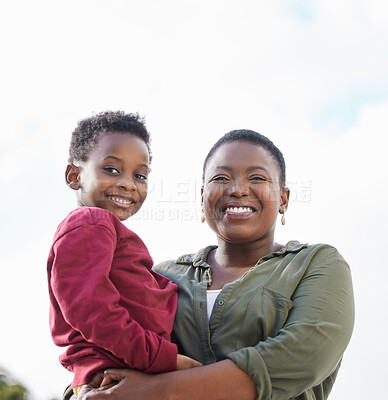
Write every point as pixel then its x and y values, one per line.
pixel 238 188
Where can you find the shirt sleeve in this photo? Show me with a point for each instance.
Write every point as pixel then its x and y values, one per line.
pixel 89 301
pixel 310 346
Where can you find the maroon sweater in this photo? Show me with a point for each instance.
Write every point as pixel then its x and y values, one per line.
pixel 106 304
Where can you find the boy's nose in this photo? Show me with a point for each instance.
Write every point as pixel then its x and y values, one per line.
pixel 127 183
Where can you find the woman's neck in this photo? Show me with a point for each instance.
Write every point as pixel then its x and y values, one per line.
pixel 241 255
pixel 229 262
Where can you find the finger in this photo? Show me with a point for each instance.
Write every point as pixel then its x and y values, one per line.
pixel 89 393
pixel 112 376
pixel 107 380
pixel 96 380
pixel 116 372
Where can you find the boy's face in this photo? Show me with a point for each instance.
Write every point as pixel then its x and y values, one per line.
pixel 115 176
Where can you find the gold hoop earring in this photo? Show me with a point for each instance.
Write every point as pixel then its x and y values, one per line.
pixel 283 220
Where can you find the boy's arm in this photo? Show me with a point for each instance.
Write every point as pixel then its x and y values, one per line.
pixel 90 302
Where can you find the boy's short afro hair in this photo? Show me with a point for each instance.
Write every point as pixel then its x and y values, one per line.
pixel 88 130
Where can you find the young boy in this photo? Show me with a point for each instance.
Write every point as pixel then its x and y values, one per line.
pixel 106 303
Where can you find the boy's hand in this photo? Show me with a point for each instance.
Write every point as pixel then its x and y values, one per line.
pixel 184 362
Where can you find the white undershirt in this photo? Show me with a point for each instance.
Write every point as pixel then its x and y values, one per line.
pixel 211 298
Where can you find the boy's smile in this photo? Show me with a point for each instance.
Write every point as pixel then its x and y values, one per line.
pixel 115 175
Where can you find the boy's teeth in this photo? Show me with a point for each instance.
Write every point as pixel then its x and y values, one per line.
pixel 239 209
pixel 121 200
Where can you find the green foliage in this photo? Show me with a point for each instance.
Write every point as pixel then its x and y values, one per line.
pixel 10 390
pixel 13 392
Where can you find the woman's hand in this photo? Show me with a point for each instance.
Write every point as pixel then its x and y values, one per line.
pixel 99 387
pixel 117 384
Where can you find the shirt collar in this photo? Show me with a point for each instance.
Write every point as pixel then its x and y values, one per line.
pixel 199 259
pixel 293 246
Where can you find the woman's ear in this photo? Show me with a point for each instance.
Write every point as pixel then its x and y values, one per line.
pixel 72 176
pixel 202 210
pixel 284 198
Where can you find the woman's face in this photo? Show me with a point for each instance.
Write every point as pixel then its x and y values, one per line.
pixel 242 195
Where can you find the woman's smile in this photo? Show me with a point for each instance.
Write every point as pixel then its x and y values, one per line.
pixel 235 211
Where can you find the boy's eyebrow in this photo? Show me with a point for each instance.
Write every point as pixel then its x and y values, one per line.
pixel 144 165
pixel 120 160
pixel 114 158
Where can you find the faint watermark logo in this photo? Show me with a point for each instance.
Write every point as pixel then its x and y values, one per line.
pixel 179 200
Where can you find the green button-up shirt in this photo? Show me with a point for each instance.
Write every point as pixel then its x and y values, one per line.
pixel 286 322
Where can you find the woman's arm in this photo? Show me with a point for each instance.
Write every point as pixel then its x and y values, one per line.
pixel 220 381
pixel 309 347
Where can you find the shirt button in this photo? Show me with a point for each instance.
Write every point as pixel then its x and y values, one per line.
pixel 221 302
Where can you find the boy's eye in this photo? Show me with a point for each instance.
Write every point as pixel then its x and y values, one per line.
pixel 141 177
pixel 112 170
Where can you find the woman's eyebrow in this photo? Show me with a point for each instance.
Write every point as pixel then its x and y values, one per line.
pixel 257 167
pixel 252 168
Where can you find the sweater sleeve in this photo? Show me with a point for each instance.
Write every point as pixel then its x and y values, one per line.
pixel 89 301
pixel 310 346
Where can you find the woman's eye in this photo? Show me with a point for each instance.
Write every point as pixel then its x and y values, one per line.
pixel 220 178
pixel 112 170
pixel 258 178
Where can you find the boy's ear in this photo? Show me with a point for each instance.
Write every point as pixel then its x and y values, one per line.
pixel 72 176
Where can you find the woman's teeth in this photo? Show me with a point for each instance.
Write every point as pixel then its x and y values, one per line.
pixel 239 209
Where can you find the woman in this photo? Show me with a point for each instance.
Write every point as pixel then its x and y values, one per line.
pixel 267 321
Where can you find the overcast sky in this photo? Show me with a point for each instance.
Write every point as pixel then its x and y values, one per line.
pixel 310 75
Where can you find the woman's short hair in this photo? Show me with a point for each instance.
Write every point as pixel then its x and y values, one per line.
pixel 247 135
